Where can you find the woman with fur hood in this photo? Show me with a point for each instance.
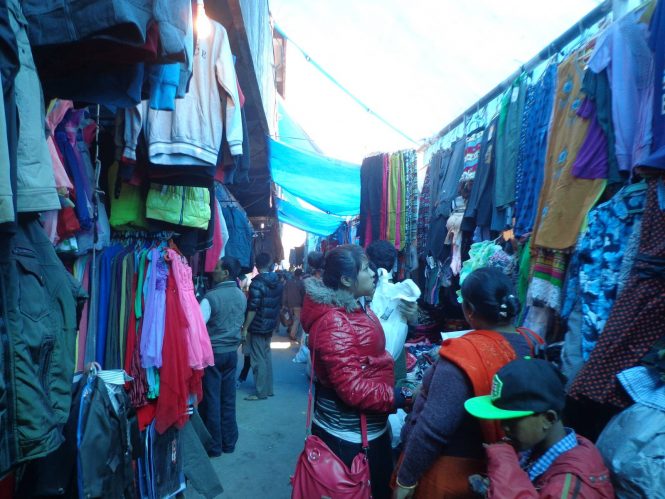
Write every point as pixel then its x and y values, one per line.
pixel 354 372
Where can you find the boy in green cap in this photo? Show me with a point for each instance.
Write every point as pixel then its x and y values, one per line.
pixel 539 457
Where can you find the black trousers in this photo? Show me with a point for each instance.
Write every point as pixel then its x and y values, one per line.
pixel 371 193
pixel 380 458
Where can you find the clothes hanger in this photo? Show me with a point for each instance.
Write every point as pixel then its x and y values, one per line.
pixel 477 121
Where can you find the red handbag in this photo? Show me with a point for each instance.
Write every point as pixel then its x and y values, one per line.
pixel 321 474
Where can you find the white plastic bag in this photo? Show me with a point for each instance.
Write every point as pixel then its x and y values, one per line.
pixel 384 304
pixel 396 423
pixel 302 357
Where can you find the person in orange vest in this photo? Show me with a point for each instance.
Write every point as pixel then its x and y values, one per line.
pixel 442 443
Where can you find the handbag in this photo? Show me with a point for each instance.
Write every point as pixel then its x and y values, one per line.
pixel 320 473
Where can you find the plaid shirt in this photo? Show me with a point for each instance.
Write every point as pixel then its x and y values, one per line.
pixel 543 463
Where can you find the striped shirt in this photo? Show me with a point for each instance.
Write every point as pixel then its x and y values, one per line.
pixel 342 421
pixel 542 464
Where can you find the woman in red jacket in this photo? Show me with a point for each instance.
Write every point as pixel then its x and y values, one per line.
pixel 539 458
pixel 353 369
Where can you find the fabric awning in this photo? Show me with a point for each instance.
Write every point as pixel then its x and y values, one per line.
pixel 331 185
pixel 293 211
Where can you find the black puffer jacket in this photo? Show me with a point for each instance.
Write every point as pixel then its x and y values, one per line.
pixel 265 298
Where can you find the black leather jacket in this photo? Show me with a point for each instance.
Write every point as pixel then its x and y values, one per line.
pixel 265 298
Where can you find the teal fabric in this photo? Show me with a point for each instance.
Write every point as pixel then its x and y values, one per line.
pixel 330 185
pixel 294 211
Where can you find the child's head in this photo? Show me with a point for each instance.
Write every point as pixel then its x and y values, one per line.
pixel 489 298
pixel 528 396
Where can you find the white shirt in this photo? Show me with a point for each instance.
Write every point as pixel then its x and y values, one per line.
pixel 205 310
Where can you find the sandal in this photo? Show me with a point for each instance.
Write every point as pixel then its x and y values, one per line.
pixel 253 398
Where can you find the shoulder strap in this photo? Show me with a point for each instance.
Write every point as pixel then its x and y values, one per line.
pixel 308 424
pixel 536 343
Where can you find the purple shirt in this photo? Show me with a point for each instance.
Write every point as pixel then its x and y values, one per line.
pixel 152 332
pixel 592 160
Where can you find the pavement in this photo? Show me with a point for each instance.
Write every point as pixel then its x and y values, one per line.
pixel 272 432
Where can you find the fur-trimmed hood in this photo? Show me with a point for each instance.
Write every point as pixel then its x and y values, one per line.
pixel 320 299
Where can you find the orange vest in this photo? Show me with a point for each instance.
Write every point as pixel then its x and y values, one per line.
pixel 480 354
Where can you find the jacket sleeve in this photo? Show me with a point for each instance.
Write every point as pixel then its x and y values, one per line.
pixel 226 76
pixel 133 121
pixel 337 354
pixel 254 301
pixel 507 479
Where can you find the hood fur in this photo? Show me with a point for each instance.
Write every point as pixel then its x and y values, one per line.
pixel 336 298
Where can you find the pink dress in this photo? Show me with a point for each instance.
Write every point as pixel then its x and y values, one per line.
pixel 199 349
pixel 53 118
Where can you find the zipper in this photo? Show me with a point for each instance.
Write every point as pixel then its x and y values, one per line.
pixel 44 364
pixel 369 316
pixel 182 207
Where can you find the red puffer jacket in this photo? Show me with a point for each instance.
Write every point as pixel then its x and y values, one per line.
pixel 350 348
pixel 579 473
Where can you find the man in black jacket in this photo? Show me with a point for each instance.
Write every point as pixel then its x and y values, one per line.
pixel 265 299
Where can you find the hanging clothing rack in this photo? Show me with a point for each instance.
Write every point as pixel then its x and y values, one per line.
pixel 138 234
pixel 588 21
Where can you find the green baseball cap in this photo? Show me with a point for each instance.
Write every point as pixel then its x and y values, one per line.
pixel 521 388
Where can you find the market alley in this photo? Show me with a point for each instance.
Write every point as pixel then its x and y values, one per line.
pixel 271 433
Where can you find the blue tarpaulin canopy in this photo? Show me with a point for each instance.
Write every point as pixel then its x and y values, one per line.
pixel 299 214
pixel 331 185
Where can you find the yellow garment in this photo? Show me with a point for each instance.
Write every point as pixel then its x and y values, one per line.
pixel 188 206
pixel 565 200
pixel 393 183
pixel 128 208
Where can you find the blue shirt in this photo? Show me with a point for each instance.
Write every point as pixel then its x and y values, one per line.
pixel 543 463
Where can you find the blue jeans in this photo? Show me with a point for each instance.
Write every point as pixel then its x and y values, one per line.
pixel 218 408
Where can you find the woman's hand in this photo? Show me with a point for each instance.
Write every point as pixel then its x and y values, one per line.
pixel 408 310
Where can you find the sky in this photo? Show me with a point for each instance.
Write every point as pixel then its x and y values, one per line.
pixel 417 63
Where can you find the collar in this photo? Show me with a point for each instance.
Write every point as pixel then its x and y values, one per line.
pixel 320 293
pixel 543 463
pixel 225 284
